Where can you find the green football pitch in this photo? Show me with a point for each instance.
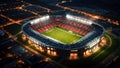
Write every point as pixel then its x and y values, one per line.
pixel 62 35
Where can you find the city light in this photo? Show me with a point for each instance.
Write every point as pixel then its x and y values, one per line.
pixel 59 34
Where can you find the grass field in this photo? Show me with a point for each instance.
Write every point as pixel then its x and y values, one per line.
pixel 62 35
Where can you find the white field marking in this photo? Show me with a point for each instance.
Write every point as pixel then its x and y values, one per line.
pixel 53 39
pixel 70 32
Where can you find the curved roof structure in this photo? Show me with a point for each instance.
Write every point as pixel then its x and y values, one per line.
pixel 88 40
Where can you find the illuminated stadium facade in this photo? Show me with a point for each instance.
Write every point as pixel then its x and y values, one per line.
pixel 91 34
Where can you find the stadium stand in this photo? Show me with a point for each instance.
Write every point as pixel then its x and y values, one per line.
pixel 92 32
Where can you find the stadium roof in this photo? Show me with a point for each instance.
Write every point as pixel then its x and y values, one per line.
pixel 40 39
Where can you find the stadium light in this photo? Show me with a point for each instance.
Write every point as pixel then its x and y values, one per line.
pixel 31 22
pixel 79 19
pixel 37 20
pixel 68 16
pixel 44 18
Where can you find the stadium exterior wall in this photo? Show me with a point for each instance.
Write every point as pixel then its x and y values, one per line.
pixel 87 42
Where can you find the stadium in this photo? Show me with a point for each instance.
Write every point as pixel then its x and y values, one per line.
pixel 63 35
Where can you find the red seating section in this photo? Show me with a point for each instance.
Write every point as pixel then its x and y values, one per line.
pixel 71 25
